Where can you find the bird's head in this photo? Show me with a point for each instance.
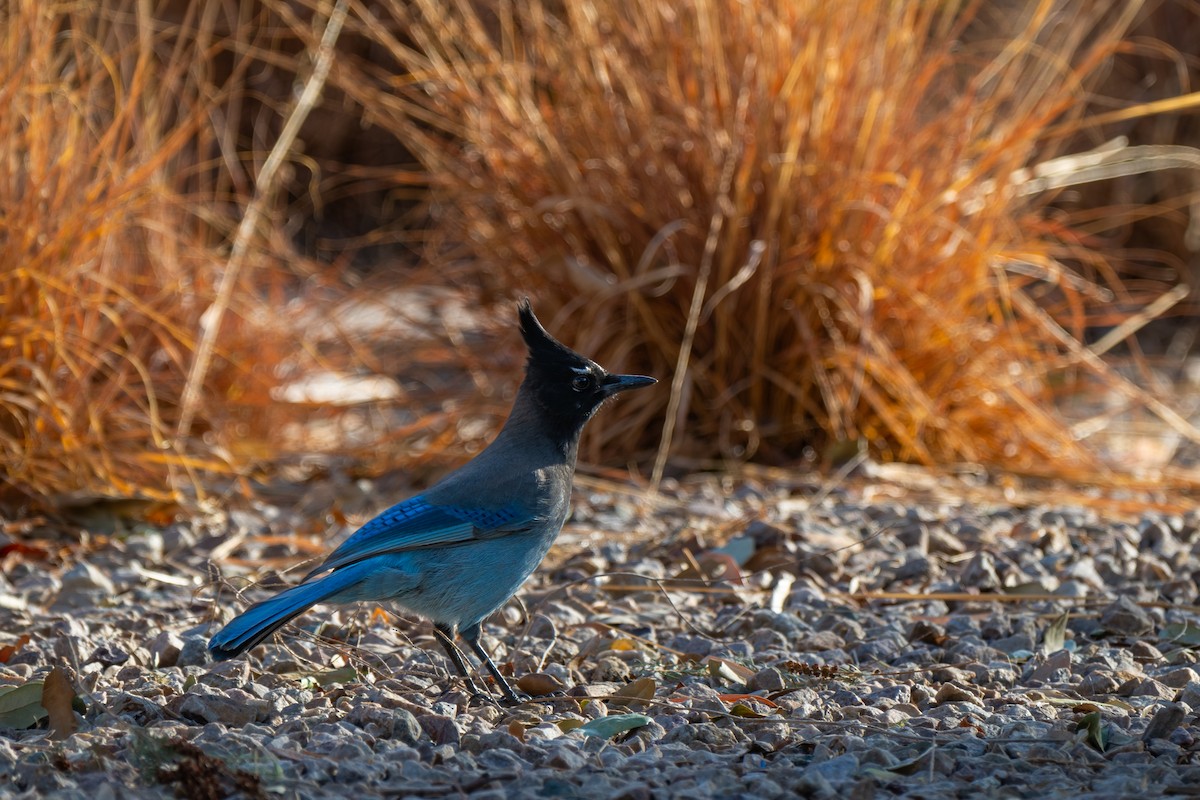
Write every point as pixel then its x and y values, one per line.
pixel 565 384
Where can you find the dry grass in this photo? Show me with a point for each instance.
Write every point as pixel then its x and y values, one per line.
pixel 110 235
pixel 91 331
pixel 815 220
pixel 830 194
pixel 131 146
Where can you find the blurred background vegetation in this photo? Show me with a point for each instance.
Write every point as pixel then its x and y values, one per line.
pixel 944 233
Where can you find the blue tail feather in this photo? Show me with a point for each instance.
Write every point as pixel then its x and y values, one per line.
pixel 262 619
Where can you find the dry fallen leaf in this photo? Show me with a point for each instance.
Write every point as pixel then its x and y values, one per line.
pixel 58 695
pixel 539 684
pixel 633 692
pixel 728 670
pixel 10 650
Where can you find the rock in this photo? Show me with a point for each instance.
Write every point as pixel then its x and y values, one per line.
pixel 1082 572
pixel 1015 643
pixel 980 572
pixel 939 682
pixel 441 729
pixel 109 654
pixel 1055 669
pixel 1164 722
pixel 395 724
pixel 194 652
pixel 611 669
pixel 147 544
pixel 165 649
pixel 231 707
pixel 1145 653
pixel 1126 618
pixel 564 754
pixel 889 696
pixel 83 585
pixel 705 735
pixel 955 693
pixel 925 632
pixel 1098 683
pixel 818 642
pixel 1190 694
pixel 231 674
pixel 916 567
pixel 767 679
pixel 837 770
pixel 1152 688
pixel 1179 678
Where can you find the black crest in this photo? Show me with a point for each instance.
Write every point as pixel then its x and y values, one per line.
pixel 544 349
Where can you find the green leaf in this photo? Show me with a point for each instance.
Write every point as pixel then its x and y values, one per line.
pixel 1182 633
pixel 310 679
pixel 569 724
pixel 612 725
pixel 21 706
pixel 744 710
pixel 1093 723
pixel 1029 588
pixel 913 765
pixel 1055 636
pixel 346 674
pixel 881 775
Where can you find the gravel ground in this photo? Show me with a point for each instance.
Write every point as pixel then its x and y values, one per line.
pixel 754 638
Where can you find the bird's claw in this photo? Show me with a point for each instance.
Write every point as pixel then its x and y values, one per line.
pixel 478 698
pixel 514 699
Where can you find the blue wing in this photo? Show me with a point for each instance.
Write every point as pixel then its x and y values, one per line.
pixel 416 523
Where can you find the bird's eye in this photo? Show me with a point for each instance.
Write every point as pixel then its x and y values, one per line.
pixel 581 382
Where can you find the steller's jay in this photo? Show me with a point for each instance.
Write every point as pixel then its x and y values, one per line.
pixel 458 551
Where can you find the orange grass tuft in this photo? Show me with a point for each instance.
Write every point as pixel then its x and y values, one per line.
pixel 817 221
pixel 831 194
pixel 106 263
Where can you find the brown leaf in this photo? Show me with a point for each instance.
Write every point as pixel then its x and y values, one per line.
pixel 539 684
pixel 745 710
pixel 15 553
pixel 57 697
pixel 734 698
pixel 631 693
pixel 10 650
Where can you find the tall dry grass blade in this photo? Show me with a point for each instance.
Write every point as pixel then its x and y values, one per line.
pixel 893 167
pixel 265 187
pixel 1167 105
pixel 679 376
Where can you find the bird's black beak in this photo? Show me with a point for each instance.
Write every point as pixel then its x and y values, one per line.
pixel 621 383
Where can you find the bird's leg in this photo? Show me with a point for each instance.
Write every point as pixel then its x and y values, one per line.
pixel 445 635
pixel 471 636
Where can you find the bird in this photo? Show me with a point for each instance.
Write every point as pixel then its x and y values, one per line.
pixel 458 551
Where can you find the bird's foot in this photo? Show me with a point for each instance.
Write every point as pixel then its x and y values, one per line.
pixel 468 694
pixel 512 698
pixel 482 699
